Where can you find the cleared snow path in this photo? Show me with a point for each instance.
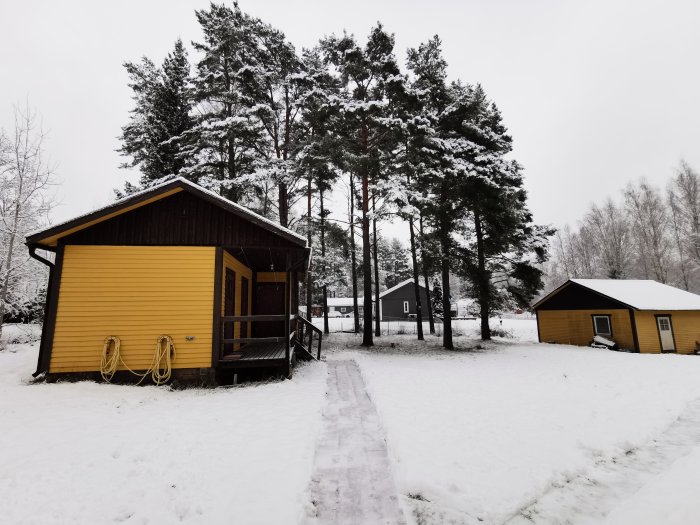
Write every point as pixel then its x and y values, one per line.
pixel 352 481
pixel 589 497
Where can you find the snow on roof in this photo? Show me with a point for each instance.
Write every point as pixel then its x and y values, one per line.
pixel 396 287
pixel 343 301
pixel 643 294
pixel 184 181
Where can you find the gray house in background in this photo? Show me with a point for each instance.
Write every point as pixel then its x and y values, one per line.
pixel 399 302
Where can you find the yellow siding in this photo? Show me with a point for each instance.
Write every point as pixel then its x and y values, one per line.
pixel 575 327
pixel 241 270
pixel 686 331
pixel 136 293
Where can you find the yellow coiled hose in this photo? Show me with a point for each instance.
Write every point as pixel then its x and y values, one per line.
pixel 161 365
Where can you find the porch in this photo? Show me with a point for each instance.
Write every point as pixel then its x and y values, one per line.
pixel 257 300
pixel 303 342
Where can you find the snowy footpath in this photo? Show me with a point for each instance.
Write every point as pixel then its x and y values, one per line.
pixel 352 481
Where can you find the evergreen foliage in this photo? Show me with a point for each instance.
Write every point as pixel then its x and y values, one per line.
pixel 161 114
pixel 269 127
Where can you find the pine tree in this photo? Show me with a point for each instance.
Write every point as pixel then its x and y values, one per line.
pixel 160 115
pixel 222 150
pixel 394 261
pixel 441 166
pixel 370 77
pixel 280 87
pixel 413 158
pixel 501 246
pixel 436 298
pixel 314 157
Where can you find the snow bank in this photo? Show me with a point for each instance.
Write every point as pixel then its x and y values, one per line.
pixel 20 333
pixel 95 453
pixel 478 435
pixel 522 329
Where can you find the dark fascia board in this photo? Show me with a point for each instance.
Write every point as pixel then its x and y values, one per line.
pixel 572 283
pixel 240 211
pixel 551 294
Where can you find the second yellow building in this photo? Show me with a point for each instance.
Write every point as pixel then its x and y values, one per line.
pixel 639 315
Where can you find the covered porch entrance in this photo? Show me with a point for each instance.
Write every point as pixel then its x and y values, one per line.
pixel 257 321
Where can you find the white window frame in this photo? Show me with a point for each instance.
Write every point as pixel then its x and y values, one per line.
pixel 608 319
pixel 342 309
pixel 406 308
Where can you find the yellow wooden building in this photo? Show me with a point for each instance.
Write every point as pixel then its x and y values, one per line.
pixel 174 261
pixel 639 315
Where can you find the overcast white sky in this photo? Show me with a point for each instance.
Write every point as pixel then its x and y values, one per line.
pixel 595 93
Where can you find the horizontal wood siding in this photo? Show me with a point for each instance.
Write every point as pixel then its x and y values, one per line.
pixel 575 327
pixel 136 293
pixel 686 330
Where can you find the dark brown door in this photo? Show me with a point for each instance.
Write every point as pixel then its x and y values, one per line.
pixel 244 306
pixel 269 300
pixel 229 306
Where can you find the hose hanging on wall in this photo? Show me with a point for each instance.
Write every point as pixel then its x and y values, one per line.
pixel 161 365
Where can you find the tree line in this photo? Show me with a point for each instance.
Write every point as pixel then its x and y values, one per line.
pixel 281 131
pixel 26 198
pixel 648 232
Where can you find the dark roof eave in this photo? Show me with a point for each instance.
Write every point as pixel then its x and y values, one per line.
pixel 554 292
pixel 35 238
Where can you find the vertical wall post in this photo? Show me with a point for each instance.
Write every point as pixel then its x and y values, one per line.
pixel 49 327
pixel 216 314
pixel 287 308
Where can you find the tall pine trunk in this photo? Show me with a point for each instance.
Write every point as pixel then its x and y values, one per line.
pixel 483 279
pixel 309 294
pixel 444 235
pixel 447 318
pixel 283 201
pixel 323 255
pixel 416 282
pixel 426 280
pixel 366 256
pixel 353 256
pixel 377 313
pixel 283 190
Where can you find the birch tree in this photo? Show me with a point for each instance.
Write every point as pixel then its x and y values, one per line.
pixel 611 229
pixel 25 199
pixel 649 228
pixel 685 194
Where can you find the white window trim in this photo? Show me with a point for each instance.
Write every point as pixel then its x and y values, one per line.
pixel 595 325
pixel 405 307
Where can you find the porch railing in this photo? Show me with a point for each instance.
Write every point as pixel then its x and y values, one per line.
pixel 301 333
pixel 306 333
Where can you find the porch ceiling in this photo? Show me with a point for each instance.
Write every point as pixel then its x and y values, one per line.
pixel 268 259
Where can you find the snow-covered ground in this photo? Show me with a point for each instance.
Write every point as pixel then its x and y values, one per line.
pixel 95 453
pixel 481 435
pixel 504 432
